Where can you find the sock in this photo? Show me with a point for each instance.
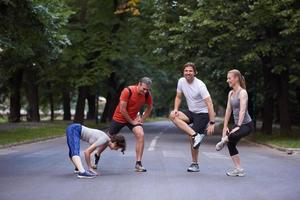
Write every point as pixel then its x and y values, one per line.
pixel 138 163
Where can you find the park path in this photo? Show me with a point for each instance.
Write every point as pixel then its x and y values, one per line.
pixel 42 171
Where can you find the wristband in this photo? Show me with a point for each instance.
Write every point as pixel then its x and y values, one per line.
pixel 212 122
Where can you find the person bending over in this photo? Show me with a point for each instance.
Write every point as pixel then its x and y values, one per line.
pixel 96 138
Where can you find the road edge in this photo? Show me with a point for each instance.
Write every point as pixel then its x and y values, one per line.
pixel 272 146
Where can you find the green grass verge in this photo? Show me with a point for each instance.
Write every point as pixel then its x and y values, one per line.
pixel 44 131
pixel 278 140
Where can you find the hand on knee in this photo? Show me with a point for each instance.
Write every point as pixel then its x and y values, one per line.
pixel 172 116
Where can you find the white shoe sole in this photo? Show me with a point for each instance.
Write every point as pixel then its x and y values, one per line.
pixel 86 177
pixel 236 175
pixel 197 141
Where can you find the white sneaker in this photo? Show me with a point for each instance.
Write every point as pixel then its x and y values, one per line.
pixel 236 172
pixel 197 140
pixel 220 145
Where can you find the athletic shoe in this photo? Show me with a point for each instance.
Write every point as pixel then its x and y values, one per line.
pixel 220 145
pixel 193 168
pixel 76 171
pixel 85 174
pixel 97 158
pixel 236 172
pixel 93 173
pixel 197 140
pixel 139 168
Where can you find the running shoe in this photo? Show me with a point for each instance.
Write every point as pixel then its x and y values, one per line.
pixel 220 145
pixel 85 174
pixel 197 140
pixel 193 168
pixel 76 171
pixel 93 173
pixel 139 168
pixel 236 172
pixel 97 158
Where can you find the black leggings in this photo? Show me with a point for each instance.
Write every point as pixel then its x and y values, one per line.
pixel 233 138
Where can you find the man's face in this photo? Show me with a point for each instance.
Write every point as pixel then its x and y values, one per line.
pixel 143 88
pixel 189 73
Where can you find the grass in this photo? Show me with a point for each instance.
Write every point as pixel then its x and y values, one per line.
pixel 278 140
pixel 43 131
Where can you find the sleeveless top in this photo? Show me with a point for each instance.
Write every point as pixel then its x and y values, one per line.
pixel 235 105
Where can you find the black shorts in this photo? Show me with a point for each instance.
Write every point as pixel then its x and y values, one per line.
pixel 115 127
pixel 199 121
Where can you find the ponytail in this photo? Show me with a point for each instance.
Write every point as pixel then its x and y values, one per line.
pixel 241 78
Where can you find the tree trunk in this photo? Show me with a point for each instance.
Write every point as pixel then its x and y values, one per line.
pixel 15 97
pixel 80 105
pixel 66 104
pixel 51 101
pixel 112 98
pixel 31 90
pixel 268 105
pixel 283 102
pixel 91 106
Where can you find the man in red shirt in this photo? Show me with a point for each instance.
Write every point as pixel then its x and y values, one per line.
pixel 132 99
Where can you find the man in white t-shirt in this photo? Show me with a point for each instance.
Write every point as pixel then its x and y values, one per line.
pixel 200 111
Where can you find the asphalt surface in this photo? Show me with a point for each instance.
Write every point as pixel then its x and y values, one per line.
pixel 43 171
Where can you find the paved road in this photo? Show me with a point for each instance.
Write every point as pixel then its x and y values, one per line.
pixel 42 171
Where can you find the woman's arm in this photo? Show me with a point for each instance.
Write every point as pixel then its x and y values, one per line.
pixel 227 115
pixel 87 155
pixel 243 106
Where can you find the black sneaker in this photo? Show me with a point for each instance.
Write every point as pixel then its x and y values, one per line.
pixel 139 168
pixel 97 158
pixel 85 174
pixel 193 168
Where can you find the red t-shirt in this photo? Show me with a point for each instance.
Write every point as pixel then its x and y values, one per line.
pixel 134 103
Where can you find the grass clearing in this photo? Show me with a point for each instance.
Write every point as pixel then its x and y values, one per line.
pixel 37 132
pixel 278 140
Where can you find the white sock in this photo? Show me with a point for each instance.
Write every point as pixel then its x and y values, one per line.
pixel 77 162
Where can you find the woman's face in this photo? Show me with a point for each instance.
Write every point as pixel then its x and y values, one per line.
pixel 232 80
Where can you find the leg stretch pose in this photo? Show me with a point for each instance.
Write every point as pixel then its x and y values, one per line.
pixel 237 103
pixel 200 111
pixel 132 99
pixel 96 138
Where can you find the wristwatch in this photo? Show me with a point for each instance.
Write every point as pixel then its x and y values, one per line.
pixel 212 122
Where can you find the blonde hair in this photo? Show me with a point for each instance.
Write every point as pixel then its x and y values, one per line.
pixel 241 78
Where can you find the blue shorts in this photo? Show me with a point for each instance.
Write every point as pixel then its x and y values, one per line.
pixel 73 134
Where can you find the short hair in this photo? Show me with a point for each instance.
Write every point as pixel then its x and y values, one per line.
pixel 146 81
pixel 190 64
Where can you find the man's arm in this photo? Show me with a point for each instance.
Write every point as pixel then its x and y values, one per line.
pixel 124 112
pixel 177 102
pixel 147 112
pixel 211 114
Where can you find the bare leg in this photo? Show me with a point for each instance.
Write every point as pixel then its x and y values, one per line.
pixel 181 121
pixel 236 161
pixel 77 163
pixel 194 152
pixel 139 148
pixel 101 149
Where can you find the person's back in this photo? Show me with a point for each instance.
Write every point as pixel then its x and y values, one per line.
pixel 93 136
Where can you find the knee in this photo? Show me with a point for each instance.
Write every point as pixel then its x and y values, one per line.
pixel 172 116
pixel 139 135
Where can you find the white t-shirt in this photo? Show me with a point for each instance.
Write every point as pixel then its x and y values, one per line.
pixel 195 93
pixel 92 136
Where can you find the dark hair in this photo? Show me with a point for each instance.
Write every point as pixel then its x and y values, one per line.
pixel 190 64
pixel 146 81
pixel 120 142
